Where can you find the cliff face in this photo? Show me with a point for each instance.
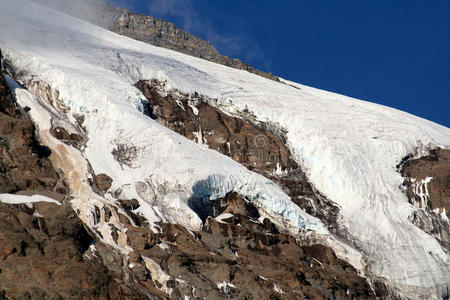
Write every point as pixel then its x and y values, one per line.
pixel 433 192
pixel 24 163
pixel 148 29
pixel 427 184
pixel 47 253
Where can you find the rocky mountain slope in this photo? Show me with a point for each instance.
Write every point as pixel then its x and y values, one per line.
pixel 148 29
pixel 196 180
pixel 44 246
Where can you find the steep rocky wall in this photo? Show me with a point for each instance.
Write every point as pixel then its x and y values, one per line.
pixel 239 255
pixel 435 192
pixel 24 163
pixel 47 253
pixel 427 184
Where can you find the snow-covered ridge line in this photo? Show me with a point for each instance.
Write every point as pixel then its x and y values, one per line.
pixel 348 147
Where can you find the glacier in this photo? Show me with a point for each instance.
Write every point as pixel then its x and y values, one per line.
pixel 349 148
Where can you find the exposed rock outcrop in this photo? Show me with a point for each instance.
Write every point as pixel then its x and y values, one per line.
pixel 255 145
pixel 434 192
pixel 62 134
pixel 24 163
pixel 103 182
pixel 238 255
pixel 47 253
pixel 427 184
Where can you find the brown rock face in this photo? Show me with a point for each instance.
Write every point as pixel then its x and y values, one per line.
pixel 61 134
pixel 7 106
pixel 103 182
pixel 427 183
pixel 437 166
pixel 238 256
pixel 45 254
pixel 253 145
pixel 23 161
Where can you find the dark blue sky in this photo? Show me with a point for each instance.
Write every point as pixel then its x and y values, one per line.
pixel 395 53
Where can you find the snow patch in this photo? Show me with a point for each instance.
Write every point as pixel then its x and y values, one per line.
pixel 225 287
pixel 157 274
pixel 220 218
pixel 277 289
pixel 194 109
pixel 21 199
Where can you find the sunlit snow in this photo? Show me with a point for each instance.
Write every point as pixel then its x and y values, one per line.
pixel 349 148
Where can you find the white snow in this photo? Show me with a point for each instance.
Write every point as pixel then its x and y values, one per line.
pixel 421 190
pixel 21 199
pixel 443 215
pixel 220 218
pixel 225 286
pixel 277 289
pixel 163 246
pixel 157 274
pixel 440 212
pixel 349 148
pixel 93 250
pixel 194 109
pixel 262 277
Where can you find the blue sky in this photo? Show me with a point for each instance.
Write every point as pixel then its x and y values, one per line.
pixel 395 53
